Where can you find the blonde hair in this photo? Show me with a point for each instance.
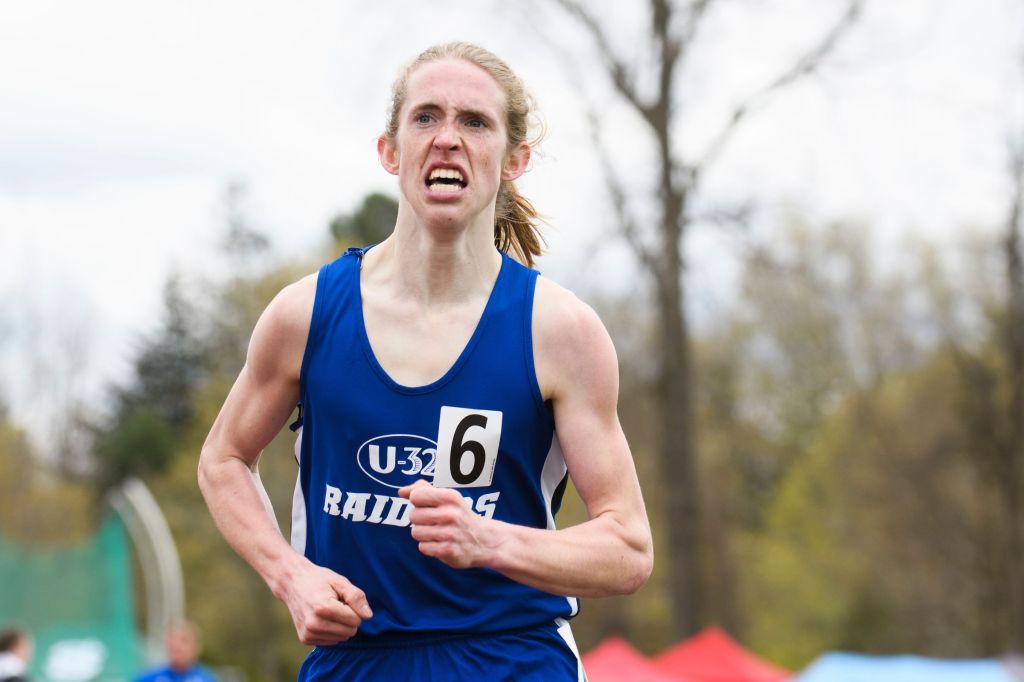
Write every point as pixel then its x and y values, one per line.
pixel 516 221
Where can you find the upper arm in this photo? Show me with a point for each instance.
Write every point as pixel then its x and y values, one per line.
pixel 267 388
pixel 578 372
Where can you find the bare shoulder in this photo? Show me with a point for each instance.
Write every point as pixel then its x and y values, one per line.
pixel 293 305
pixel 279 339
pixel 559 317
pixel 572 348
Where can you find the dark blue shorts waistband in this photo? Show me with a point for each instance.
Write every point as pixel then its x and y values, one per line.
pixel 403 640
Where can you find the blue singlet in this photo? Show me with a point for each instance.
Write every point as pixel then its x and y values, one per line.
pixel 483 428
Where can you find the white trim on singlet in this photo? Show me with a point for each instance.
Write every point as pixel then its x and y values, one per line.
pixel 565 632
pixel 550 476
pixel 298 518
pixel 298 505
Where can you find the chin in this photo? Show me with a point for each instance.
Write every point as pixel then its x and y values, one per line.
pixel 445 215
pixel 445 221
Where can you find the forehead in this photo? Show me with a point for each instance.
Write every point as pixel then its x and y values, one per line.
pixel 455 83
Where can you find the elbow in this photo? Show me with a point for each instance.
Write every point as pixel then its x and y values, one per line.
pixel 205 475
pixel 640 567
pixel 636 559
pixel 636 563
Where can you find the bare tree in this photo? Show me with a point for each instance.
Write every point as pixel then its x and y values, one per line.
pixel 671 36
pixel 50 346
pixel 1013 450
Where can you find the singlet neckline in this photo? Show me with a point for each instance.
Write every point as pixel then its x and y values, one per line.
pixel 467 350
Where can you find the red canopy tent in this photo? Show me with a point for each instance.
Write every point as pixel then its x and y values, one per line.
pixel 713 656
pixel 614 660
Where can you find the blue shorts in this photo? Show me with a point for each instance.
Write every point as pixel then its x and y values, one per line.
pixel 541 654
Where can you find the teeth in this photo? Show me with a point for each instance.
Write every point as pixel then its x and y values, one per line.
pixel 443 187
pixel 447 173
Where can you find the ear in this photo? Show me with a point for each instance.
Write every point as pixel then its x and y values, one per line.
pixel 516 162
pixel 388 154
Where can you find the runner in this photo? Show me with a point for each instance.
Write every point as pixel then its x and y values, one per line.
pixel 446 393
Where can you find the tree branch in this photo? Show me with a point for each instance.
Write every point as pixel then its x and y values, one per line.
pixel 697 11
pixel 626 222
pixel 806 65
pixel 661 15
pixel 620 75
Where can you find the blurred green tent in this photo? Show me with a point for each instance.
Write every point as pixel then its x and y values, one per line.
pixel 77 601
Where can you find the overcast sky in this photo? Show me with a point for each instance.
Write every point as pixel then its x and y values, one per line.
pixel 122 122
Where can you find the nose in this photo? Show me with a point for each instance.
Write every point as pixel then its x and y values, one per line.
pixel 447 138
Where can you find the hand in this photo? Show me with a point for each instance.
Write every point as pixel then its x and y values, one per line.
pixel 325 607
pixel 445 527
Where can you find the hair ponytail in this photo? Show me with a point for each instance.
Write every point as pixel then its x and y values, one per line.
pixel 516 225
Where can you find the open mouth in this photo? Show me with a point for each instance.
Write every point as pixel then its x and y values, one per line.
pixel 445 180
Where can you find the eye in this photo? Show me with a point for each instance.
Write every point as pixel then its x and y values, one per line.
pixel 476 123
pixel 423 118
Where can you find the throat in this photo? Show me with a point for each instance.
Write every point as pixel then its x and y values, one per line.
pixel 416 347
pixel 418 330
pixel 429 271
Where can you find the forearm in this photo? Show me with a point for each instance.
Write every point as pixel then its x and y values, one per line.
pixel 599 558
pixel 241 509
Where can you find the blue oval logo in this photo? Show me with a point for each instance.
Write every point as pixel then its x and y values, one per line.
pixel 397 459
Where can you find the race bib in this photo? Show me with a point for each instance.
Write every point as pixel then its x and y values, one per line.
pixel 467 447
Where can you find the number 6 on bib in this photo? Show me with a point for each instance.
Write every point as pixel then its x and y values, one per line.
pixel 467 447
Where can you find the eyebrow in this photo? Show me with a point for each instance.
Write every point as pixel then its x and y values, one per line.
pixel 471 113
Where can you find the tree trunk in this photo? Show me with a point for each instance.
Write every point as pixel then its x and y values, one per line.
pixel 1014 446
pixel 677 447
pixel 677 444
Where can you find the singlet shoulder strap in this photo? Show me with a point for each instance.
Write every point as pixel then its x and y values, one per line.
pixel 357 251
pixel 334 288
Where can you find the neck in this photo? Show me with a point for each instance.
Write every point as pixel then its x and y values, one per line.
pixel 436 264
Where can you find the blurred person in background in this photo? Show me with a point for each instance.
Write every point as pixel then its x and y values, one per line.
pixel 414 558
pixel 15 654
pixel 183 649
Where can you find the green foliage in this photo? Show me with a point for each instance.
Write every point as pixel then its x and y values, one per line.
pixel 155 406
pixel 142 442
pixel 371 223
pixel 845 420
pixel 171 363
pixel 36 505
